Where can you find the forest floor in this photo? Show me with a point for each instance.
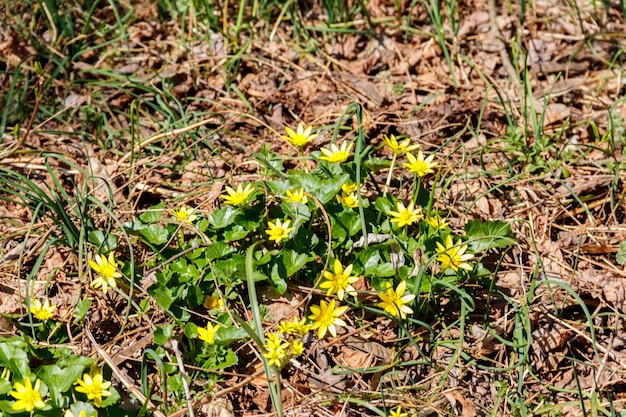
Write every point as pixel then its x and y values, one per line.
pixel 113 110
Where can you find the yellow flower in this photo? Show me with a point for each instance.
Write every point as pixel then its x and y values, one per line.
pixel 300 137
pixel 453 255
pixel 349 200
pixel 68 413
pixel 419 165
pixel 95 387
pixel 278 231
pixel 349 187
pixel 275 349
pixel 295 326
pixel 185 214
pixel 399 147
pixel 43 311
pixel 239 196
pixel 208 333
pixel 107 268
pixel 436 222
pixel 337 154
pixel 296 348
pixel 406 216
pixel 28 397
pixel 339 281
pixel 398 412
pixel 326 317
pixel 394 302
pixel 213 303
pixel 296 196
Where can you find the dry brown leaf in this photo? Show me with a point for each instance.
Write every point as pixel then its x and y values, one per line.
pixel 467 407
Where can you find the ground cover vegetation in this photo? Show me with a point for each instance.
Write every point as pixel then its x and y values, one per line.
pixel 331 208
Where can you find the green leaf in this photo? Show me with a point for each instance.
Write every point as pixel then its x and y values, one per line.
pixel 162 295
pixel 230 271
pixel 5 386
pixel 221 218
pixel 235 232
pixel 227 360
pixel 293 261
pixel 134 227
pixel 344 224
pixel 105 242
pixel 155 234
pixel 620 256
pixel 163 333
pixel 489 235
pixel 278 278
pixel 219 250
pixel 79 406
pixel 376 164
pixel 195 296
pixel 111 399
pixel 384 204
pixel 186 272
pixel 152 215
pixel 14 358
pixel 230 334
pixel 323 190
pixel 59 380
pixel 81 310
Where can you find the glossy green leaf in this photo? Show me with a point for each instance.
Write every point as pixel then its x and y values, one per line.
pixel 105 242
pixel 152 215
pixel 15 359
pixel 489 235
pixel 221 218
pixel 155 234
pixel 293 261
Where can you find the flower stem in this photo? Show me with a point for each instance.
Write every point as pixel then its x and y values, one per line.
pixel 388 182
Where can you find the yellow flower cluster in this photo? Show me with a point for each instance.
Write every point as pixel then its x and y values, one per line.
pixel 28 397
pixel 349 197
pixel 286 342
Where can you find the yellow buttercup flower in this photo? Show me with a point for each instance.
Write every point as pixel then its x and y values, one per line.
pixel 349 187
pixel 453 255
pixel 296 196
pixel 28 397
pixel 107 268
pixel 398 412
pixel 406 216
pixel 239 196
pixel 213 303
pixel 43 311
pixel 339 281
pixel 325 318
pixel 275 349
pixel 296 348
pixel 337 154
pixel 295 326
pixel 419 165
pixel 94 386
pixel 278 231
pixel 394 301
pixel 185 214
pixel 208 333
pixel 349 200
pixel 300 137
pixel 399 147
pixel 436 222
